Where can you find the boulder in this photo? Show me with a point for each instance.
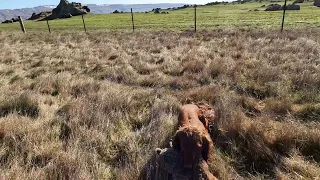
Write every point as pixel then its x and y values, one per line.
pixel 316 3
pixel 32 16
pixel 86 8
pixel 68 15
pixel 15 19
pixel 65 8
pixel 298 1
pixel 292 7
pixel 273 7
pixel 40 16
pixel 7 21
pixel 277 7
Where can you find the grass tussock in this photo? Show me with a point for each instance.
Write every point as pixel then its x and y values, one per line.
pixel 309 112
pixel 96 105
pixel 22 105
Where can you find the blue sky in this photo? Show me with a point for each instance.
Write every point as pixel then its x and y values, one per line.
pixel 13 4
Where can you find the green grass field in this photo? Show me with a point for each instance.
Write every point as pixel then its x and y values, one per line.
pixel 218 16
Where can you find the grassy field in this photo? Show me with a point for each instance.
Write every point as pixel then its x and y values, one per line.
pixel 218 16
pixel 96 105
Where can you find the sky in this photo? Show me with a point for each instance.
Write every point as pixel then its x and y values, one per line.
pixel 16 4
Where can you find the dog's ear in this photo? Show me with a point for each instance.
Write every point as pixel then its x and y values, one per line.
pixel 204 120
pixel 176 140
pixel 207 148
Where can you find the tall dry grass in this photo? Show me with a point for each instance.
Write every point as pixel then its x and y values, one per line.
pixel 95 106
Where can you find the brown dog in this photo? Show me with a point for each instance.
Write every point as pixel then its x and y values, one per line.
pixel 192 139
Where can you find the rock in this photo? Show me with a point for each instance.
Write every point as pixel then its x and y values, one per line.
pixel 316 3
pixel 86 8
pixel 277 7
pixel 165 165
pixel 7 21
pixel 15 19
pixel 298 1
pixel 65 8
pixel 273 7
pixel 68 15
pixel 33 16
pixel 292 7
pixel 40 16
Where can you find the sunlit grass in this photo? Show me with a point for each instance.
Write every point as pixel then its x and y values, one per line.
pixel 217 16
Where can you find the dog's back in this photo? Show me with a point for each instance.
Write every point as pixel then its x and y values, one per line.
pixel 189 116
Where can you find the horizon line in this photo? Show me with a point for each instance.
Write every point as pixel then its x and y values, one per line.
pixel 100 5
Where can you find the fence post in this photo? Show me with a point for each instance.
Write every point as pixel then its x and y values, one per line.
pixel 132 20
pixel 84 24
pixel 22 25
pixel 48 26
pixel 284 14
pixel 195 18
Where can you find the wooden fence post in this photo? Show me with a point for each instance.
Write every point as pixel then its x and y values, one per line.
pixel 132 20
pixel 284 14
pixel 22 25
pixel 84 24
pixel 195 18
pixel 48 26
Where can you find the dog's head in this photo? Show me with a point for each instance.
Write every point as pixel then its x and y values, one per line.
pixel 193 144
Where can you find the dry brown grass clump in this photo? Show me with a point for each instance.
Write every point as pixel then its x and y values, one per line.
pixel 95 106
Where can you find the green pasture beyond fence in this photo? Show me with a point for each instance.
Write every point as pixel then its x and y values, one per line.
pixel 248 15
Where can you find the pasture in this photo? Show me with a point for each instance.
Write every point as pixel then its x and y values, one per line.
pixel 96 105
pixel 209 17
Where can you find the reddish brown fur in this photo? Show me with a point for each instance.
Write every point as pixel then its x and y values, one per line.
pixel 189 116
pixel 192 138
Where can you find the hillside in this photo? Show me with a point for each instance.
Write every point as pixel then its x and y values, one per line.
pixel 96 105
pixel 249 15
pixel 25 13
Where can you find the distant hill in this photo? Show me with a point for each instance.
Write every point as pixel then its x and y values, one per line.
pixel 25 13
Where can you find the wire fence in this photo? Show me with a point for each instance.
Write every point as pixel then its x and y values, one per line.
pixel 201 17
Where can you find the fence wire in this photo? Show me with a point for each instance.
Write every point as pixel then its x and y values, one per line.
pixel 223 15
